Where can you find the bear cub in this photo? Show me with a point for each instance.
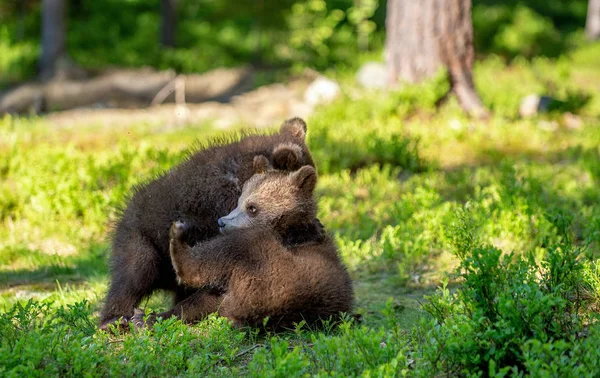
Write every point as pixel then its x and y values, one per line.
pixel 259 273
pixel 199 191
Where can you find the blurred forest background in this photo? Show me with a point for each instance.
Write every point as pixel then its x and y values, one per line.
pixel 196 36
pixel 80 40
pixel 470 223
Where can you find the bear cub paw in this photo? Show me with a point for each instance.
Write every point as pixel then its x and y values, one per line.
pixel 141 321
pixel 178 229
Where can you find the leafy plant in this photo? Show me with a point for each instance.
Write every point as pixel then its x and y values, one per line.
pixel 508 307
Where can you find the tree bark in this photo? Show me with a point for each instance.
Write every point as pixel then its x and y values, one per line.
pixel 424 36
pixel 169 22
pixel 53 36
pixel 21 20
pixel 592 24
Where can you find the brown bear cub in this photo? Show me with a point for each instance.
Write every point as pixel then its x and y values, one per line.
pixel 198 191
pixel 260 275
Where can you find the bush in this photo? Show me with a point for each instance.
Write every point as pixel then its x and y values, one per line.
pixel 512 309
pixel 39 340
pixel 532 28
pixel 17 60
pixel 528 35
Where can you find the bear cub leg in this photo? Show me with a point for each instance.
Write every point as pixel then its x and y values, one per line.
pixel 196 306
pixel 179 249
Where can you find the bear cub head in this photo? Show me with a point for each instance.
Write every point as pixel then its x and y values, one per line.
pixel 273 199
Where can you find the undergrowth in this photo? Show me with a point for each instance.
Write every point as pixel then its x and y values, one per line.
pixel 502 216
pixel 512 308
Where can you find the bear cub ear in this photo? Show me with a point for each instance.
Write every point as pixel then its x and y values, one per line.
pixel 295 127
pixel 305 179
pixel 287 157
pixel 261 164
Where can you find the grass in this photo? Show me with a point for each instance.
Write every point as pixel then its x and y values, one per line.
pixel 416 198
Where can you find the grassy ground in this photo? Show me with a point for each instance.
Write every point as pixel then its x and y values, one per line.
pixel 416 199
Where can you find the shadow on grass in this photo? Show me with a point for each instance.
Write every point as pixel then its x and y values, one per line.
pixel 335 153
pixel 91 263
pixel 461 180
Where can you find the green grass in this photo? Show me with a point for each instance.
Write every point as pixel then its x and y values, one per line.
pixel 505 212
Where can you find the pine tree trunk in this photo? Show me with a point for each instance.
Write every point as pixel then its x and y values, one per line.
pixel 169 22
pixel 424 36
pixel 53 36
pixel 21 21
pixel 592 24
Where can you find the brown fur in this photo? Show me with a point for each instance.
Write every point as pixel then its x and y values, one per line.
pixel 258 275
pixel 197 191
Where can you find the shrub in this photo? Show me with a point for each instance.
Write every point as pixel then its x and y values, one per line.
pixel 511 308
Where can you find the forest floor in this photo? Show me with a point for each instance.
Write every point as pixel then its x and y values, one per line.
pixel 395 175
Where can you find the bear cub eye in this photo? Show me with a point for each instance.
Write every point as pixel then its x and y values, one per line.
pixel 251 209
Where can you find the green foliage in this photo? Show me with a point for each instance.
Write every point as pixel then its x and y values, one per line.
pixel 278 361
pixel 360 351
pixel 410 191
pixel 528 34
pixel 318 35
pixel 291 33
pixel 368 131
pixel 533 28
pixel 17 60
pixel 360 16
pixel 510 308
pixel 211 34
pixel 38 340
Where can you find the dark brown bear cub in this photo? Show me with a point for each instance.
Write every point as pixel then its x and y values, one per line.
pixel 260 275
pixel 198 191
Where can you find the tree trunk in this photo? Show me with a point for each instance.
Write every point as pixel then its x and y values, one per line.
pixel 53 36
pixel 20 35
pixel 592 25
pixel 424 36
pixel 169 22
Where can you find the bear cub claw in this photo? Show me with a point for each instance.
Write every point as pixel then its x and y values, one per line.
pixel 138 318
pixel 178 229
pixel 141 321
pixel 120 324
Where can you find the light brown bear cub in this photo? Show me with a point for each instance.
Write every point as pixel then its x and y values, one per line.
pixel 260 274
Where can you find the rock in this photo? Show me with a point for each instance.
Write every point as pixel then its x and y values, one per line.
pixel 321 91
pixel 572 121
pixel 455 124
pixel 534 104
pixel 373 75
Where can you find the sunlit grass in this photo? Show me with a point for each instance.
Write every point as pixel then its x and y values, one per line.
pixel 393 174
